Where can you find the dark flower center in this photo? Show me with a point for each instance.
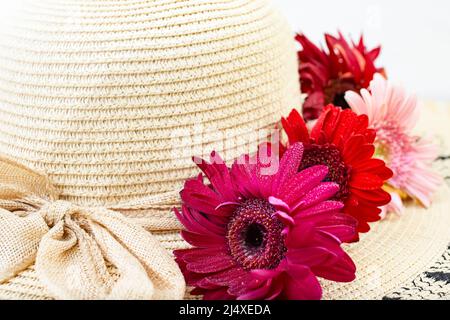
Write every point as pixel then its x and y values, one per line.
pixel 254 236
pixel 335 92
pixel 330 156
pixel 340 101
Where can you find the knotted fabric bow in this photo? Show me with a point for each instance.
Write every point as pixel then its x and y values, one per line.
pixel 78 252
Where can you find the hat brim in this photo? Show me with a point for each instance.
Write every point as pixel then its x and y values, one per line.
pixel 396 250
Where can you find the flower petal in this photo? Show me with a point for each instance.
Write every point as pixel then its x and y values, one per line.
pixel 322 192
pixel 244 178
pixel 366 181
pixel 194 221
pixel 288 166
pixel 219 176
pixel 375 166
pixel 324 207
pixel 342 271
pixel 341 226
pixel 202 241
pixel 295 127
pixel 377 197
pixel 326 124
pixel 199 197
pixel 301 183
pixel 209 264
pixel 217 294
pixel 356 102
pixel 227 277
pixel 361 152
pixel 310 256
pixel 259 293
pixel 302 288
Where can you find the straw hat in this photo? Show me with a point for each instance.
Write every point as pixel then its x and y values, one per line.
pixel 95 99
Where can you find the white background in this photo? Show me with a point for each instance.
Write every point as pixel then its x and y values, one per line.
pixel 415 34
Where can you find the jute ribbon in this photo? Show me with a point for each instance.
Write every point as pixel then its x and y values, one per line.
pixel 74 248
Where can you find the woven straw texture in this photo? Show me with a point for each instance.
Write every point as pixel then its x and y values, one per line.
pixel 99 95
pixel 396 250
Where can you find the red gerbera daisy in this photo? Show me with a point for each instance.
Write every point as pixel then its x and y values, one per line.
pixel 342 141
pixel 257 236
pixel 326 76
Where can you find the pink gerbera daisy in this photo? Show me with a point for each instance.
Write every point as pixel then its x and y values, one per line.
pixel 393 115
pixel 258 236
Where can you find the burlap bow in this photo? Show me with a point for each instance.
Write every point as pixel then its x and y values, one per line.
pixel 79 252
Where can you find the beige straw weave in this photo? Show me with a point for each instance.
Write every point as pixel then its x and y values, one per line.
pixel 99 96
pixel 396 250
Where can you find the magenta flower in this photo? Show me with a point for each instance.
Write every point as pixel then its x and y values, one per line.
pixel 258 236
pixel 393 115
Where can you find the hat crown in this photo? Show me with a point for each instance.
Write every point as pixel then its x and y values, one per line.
pixel 112 98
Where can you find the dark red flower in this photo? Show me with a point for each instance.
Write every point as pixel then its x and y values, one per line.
pixel 256 235
pixel 341 140
pixel 326 76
